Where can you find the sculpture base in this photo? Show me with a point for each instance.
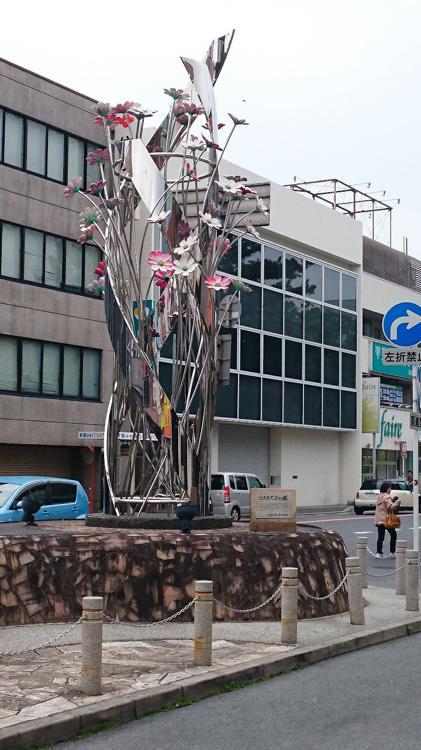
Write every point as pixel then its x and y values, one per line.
pixel 149 575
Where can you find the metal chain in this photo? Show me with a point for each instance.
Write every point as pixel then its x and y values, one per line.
pixel 372 554
pixel 321 598
pixel 116 621
pixel 252 609
pixel 46 643
pixel 389 573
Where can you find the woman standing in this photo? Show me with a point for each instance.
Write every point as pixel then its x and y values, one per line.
pixel 385 505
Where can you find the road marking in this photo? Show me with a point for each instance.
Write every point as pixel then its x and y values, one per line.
pixel 363 532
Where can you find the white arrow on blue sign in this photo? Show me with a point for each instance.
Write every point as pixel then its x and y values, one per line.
pixel 402 324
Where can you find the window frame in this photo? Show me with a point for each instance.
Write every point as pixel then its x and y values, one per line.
pixel 87 147
pixel 83 291
pixel 40 393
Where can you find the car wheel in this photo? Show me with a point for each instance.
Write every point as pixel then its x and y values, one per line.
pixel 235 514
pixel 358 510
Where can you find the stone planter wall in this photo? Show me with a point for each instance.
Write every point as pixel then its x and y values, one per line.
pixel 145 575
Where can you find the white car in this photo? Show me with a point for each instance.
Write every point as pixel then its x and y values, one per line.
pixel 366 497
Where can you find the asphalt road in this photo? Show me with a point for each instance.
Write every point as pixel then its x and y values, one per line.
pixel 349 526
pixel 368 700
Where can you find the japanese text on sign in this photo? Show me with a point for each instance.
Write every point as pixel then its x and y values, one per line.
pixel 401 356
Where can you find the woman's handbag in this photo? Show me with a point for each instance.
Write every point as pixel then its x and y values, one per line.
pixel 392 521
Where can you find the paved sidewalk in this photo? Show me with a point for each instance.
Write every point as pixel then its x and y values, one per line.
pixel 145 669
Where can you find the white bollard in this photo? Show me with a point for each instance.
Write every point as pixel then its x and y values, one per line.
pixel 362 554
pixel 401 546
pixel 91 646
pixel 289 605
pixel 411 581
pixel 355 593
pixel 203 623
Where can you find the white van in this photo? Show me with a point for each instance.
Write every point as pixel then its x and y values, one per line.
pixel 230 494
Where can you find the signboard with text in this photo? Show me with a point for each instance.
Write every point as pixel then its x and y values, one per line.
pixel 273 509
pixel 377 366
pixel 370 404
pixel 396 356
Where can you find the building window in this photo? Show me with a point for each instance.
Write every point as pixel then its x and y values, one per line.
pixel 313 322
pixel 272 400
pixel 331 367
pixel 331 287
pixel 251 308
pixel 293 317
pixel 272 311
pixel 273 267
pixel 349 331
pixel 313 280
pixel 250 351
pixel 250 260
pixel 226 399
pixel 46 260
pixel 293 360
pixel 331 327
pixel 348 370
pixel 42 368
pixel 313 366
pixel 272 356
pixel 312 405
pixel 330 407
pixel 349 409
pixel 349 292
pixel 249 397
pixel 293 274
pixel 293 403
pixel 38 148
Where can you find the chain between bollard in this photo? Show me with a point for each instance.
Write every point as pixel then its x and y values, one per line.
pixel 115 621
pixel 251 609
pixel 322 598
pixel 56 638
pixel 389 573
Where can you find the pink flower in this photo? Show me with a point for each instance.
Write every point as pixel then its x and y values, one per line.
pixel 160 261
pixel 121 109
pixel 211 144
pixel 109 120
pixel 237 120
pixel 113 202
pixel 217 282
pixel 73 187
pixel 246 191
pixel 101 268
pixel 86 236
pixel 100 156
pixel 176 94
pixel 190 171
pixel 96 187
pixel 162 278
pixel 183 230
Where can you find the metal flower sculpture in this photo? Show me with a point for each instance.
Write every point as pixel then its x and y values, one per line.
pixel 164 220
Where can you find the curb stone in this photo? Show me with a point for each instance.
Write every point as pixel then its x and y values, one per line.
pixel 123 708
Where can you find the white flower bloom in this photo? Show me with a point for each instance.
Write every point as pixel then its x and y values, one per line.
pixel 185 266
pixel 250 228
pixel 228 186
pixel 187 245
pixel 193 144
pixel 158 218
pixel 261 207
pixel 210 220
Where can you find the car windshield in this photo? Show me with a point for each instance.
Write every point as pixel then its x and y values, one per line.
pixel 6 491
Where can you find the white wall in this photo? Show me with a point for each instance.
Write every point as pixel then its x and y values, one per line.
pixel 378 295
pixel 327 464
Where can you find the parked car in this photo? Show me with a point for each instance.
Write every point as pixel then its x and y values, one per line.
pixel 366 497
pixel 61 499
pixel 230 494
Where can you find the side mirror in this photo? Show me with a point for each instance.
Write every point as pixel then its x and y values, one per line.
pixel 18 505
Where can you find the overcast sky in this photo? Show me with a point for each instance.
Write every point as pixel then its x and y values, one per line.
pixel 331 88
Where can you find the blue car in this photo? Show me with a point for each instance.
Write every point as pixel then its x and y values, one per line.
pixel 60 499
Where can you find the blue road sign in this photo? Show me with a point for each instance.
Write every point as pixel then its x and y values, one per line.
pixel 402 324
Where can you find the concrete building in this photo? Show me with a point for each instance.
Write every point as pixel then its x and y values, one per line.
pixel 55 354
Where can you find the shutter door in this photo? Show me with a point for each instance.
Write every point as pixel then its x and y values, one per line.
pixel 41 460
pixel 242 448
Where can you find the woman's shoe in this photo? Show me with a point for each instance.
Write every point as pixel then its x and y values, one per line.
pixel 380 556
